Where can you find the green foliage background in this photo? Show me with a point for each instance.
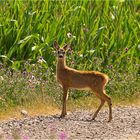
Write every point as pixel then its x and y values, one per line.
pixel 104 35
pixel 101 30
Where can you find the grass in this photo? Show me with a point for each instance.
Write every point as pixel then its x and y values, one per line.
pixel 19 88
pixel 51 108
pixel 103 36
pixel 38 92
pixel 28 30
pixel 46 108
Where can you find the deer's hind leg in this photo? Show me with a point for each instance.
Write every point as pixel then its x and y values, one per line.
pixel 108 99
pixel 99 108
pixel 103 97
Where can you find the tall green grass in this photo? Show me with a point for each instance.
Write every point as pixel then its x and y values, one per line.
pixel 103 35
pixel 105 30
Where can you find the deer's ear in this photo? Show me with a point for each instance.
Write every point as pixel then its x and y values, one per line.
pixel 65 47
pixel 56 46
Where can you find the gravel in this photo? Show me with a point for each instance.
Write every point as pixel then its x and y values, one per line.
pixel 76 125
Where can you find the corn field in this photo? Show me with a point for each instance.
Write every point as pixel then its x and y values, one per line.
pixel 106 33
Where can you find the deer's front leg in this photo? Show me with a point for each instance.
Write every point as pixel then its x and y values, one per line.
pixel 65 94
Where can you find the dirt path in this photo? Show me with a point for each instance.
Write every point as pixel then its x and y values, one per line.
pixel 125 125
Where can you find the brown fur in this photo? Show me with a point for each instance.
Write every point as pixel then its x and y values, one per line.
pixel 81 80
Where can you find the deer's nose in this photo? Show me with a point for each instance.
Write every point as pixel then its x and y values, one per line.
pixel 60 55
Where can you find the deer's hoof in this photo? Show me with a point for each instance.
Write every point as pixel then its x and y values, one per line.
pixel 62 115
pixel 109 119
pixel 93 118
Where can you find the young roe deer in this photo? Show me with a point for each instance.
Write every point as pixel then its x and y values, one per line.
pixel 72 78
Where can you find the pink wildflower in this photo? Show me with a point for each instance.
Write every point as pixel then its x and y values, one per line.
pixel 63 136
pixel 126 49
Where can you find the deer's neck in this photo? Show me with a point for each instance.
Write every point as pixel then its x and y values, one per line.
pixel 61 64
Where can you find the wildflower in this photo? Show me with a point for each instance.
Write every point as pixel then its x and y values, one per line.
pixel 95 61
pixel 32 77
pixel 69 35
pixel 28 62
pixel 29 81
pixel 32 86
pixel 25 138
pixel 33 65
pixel 24 73
pixel 63 136
pixel 41 60
pixel 53 130
pixel 72 62
pixel 110 66
pixel 126 49
pixel 84 24
pixel 85 30
pixel 10 82
pixel 69 51
pixel 33 48
pixel 128 59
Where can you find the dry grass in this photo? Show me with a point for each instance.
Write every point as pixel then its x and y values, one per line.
pixel 50 108
pixel 33 109
pixel 93 103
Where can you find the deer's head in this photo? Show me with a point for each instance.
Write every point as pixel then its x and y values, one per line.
pixel 60 51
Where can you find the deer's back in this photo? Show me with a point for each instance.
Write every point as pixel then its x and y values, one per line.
pixel 81 79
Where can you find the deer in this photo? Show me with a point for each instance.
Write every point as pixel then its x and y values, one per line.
pixel 70 78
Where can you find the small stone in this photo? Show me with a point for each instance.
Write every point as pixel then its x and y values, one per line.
pixel 24 113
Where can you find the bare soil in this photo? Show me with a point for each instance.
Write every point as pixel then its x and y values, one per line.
pixel 76 125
